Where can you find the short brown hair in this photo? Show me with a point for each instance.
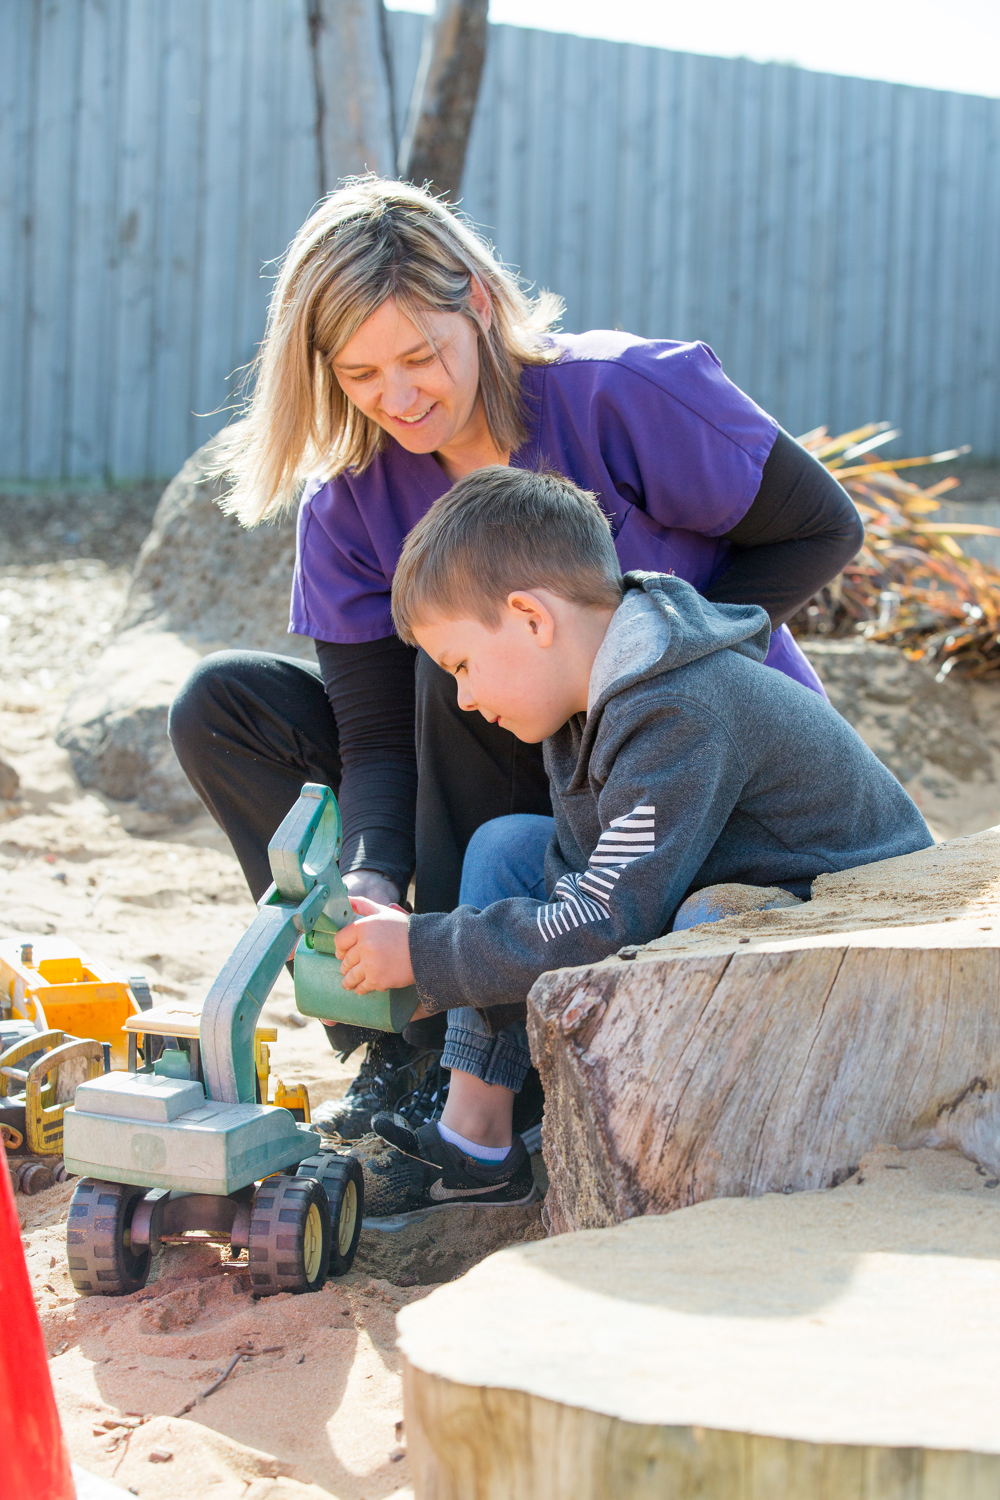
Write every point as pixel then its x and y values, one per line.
pixel 499 530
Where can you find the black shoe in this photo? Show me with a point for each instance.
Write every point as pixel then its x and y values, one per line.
pixel 384 1077
pixel 426 1102
pixel 419 1170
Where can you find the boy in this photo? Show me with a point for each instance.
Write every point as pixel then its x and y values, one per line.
pixel 677 761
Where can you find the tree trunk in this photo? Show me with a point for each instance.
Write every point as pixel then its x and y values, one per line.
pixel 444 96
pixel 769 1053
pixel 836 1346
pixel 355 115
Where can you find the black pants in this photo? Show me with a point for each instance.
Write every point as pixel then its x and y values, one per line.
pixel 250 728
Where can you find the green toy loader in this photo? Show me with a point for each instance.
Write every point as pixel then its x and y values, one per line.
pixel 181 1144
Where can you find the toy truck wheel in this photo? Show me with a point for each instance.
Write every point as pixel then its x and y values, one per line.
pixel 98 1239
pixel 344 1182
pixel 289 1236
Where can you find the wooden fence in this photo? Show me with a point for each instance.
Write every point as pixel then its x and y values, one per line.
pixel 834 239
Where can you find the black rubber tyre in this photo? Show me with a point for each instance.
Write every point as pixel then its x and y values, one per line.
pixel 344 1182
pixel 289 1236
pixel 98 1239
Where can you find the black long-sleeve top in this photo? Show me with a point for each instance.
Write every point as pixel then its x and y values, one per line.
pixel 801 529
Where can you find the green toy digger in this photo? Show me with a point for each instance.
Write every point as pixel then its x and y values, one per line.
pixel 180 1145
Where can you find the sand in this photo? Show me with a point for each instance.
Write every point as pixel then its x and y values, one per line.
pixel 146 896
pixel 319 1417
pixel 316 1417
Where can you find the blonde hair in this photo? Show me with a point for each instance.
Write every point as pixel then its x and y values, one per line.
pixel 496 531
pixel 371 240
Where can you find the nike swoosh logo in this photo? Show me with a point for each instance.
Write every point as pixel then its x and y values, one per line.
pixel 440 1193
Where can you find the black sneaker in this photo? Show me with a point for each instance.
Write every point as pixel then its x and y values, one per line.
pixel 426 1102
pixel 385 1076
pixel 419 1170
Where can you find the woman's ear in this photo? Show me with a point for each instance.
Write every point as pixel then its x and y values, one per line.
pixel 480 302
pixel 534 615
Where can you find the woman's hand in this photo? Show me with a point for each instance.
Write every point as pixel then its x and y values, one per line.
pixel 374 951
pixel 371 884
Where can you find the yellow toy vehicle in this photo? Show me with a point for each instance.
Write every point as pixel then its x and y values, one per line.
pixel 61 1019
pixel 55 986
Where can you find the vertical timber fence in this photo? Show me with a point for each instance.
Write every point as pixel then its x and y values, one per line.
pixel 837 241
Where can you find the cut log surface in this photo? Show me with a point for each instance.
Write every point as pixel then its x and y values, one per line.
pixel 815 1346
pixel 770 1051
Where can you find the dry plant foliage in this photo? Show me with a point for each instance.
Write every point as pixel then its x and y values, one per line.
pixel 911 585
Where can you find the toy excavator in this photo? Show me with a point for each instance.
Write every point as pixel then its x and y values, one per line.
pixel 180 1145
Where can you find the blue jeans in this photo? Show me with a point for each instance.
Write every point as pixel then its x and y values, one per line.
pixel 506 857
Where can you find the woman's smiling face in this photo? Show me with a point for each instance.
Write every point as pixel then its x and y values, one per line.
pixel 424 394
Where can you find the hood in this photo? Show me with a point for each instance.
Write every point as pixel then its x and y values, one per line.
pixel 663 623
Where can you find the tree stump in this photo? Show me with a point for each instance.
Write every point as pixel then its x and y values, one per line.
pixel 823 1346
pixel 770 1051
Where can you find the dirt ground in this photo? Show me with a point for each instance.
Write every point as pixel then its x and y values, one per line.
pixel 316 1415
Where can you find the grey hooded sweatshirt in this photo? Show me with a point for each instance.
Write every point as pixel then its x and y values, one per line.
pixel 694 765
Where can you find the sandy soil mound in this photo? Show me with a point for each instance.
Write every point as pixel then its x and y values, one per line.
pixel 941 738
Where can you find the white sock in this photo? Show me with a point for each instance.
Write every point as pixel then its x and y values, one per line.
pixel 472 1148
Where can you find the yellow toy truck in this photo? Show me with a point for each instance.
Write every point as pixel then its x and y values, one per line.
pixel 61 1024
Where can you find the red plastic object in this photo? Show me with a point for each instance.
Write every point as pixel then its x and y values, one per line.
pixel 34 1464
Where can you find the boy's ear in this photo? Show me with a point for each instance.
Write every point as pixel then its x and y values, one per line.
pixel 535 616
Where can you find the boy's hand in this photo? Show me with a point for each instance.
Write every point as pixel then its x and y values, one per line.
pixel 374 951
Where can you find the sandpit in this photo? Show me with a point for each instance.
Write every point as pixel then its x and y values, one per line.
pixel 317 1418
pixel 144 894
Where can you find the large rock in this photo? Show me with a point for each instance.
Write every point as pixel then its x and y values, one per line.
pixel 201 574
pixel 115 725
pixel 9 781
pixel 201 582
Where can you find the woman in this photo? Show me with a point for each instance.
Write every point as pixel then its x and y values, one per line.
pixel 401 355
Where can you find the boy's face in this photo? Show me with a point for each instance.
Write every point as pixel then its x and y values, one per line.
pixel 529 676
